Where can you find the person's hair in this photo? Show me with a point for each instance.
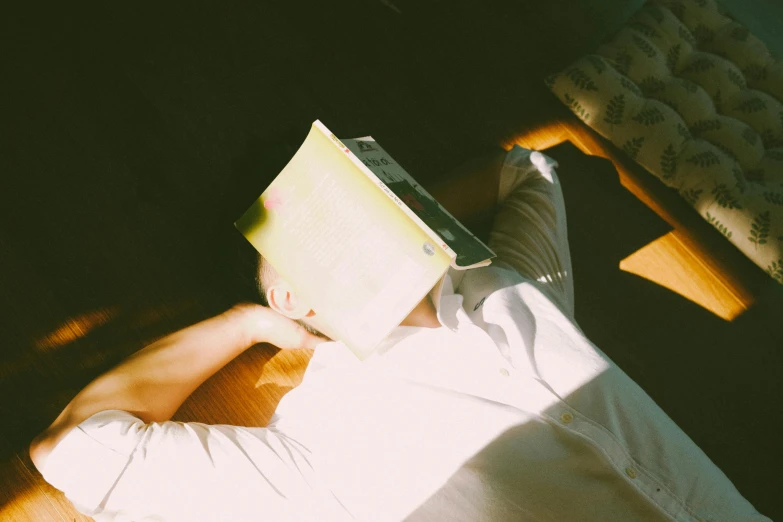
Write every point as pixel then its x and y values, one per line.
pixel 266 276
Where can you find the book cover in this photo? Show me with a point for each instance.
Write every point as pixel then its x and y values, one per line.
pixel 350 247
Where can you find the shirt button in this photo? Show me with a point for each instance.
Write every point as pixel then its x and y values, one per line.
pixel 504 372
pixel 567 417
pixel 630 472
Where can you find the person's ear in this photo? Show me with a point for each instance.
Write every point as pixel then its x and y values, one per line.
pixel 282 299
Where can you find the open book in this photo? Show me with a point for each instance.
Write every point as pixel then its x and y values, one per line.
pixel 356 237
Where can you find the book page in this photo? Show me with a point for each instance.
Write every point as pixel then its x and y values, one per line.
pixel 345 247
pixel 470 251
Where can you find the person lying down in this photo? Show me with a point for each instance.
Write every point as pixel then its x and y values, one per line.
pixel 486 403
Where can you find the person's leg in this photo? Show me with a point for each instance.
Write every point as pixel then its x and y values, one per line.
pixel 530 234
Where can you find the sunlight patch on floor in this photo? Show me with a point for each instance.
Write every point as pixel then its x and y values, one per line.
pixel 23 504
pixel 671 261
pixel 75 328
pixel 667 262
pixel 285 369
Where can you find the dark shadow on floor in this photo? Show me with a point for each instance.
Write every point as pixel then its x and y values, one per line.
pixel 718 380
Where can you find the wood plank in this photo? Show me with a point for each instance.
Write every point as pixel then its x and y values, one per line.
pixel 728 282
pixel 21 497
pixel 669 263
pixel 247 391
pixel 45 494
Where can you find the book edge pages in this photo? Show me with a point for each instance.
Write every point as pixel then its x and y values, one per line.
pixel 381 185
pixel 450 251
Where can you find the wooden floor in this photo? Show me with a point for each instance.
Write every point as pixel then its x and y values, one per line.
pixel 132 138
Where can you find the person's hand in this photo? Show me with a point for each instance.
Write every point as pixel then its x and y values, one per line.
pixel 265 325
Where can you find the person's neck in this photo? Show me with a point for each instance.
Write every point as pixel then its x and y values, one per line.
pixel 424 315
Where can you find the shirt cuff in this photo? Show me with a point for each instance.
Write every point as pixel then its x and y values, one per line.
pixel 518 163
pixel 87 462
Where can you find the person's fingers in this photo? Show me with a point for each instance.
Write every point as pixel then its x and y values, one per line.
pixel 290 335
pixel 311 341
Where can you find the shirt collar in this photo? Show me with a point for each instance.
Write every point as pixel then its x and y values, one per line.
pixel 446 301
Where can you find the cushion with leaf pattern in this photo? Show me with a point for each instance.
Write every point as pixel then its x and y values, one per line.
pixel 695 98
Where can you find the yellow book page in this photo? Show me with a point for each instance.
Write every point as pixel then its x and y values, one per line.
pixel 349 251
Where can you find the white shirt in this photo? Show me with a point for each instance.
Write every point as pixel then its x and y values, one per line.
pixel 506 412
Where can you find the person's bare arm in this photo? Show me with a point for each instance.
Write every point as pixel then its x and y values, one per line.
pixel 154 382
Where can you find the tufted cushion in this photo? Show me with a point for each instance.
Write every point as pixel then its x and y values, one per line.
pixel 693 97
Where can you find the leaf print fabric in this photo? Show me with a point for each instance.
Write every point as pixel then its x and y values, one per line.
pixel 750 136
pixel 751 105
pixel 720 226
pixel 724 197
pixel 575 106
pixel 633 146
pixel 669 162
pixel 705 125
pixel 581 79
pixel 597 63
pixel 673 57
pixel 614 110
pixel 736 78
pixel 704 159
pixel 692 196
pixel 695 98
pixel 652 84
pixel 649 116
pixel 775 270
pixel 700 65
pixel 759 231
pixel 645 46
pixel 776 198
pixel 630 86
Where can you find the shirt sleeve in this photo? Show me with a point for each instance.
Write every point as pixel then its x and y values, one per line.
pixel 530 234
pixel 88 460
pixel 113 466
